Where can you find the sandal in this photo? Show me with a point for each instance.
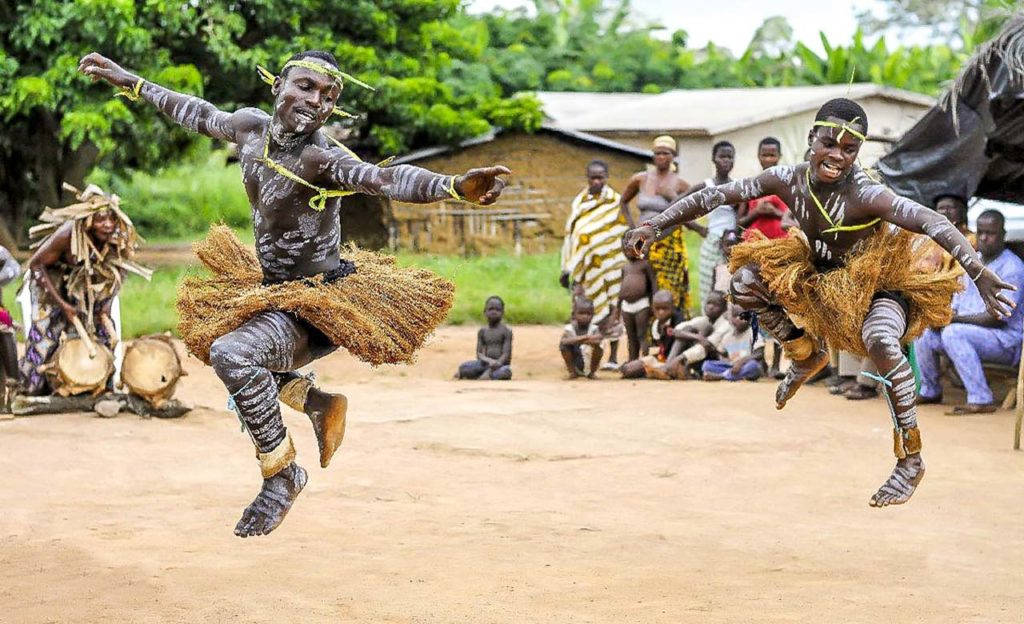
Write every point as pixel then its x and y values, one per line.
pixel 859 392
pixel 972 408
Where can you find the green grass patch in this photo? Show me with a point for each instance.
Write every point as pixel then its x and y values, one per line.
pixel 529 286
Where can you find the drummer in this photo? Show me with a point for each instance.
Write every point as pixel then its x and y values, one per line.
pixel 76 272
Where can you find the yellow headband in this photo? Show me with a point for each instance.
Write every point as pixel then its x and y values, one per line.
pixel 340 76
pixel 843 128
pixel 665 141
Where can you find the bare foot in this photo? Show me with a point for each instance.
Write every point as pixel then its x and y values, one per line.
pixel 900 485
pixel 798 373
pixel 591 375
pixel 327 413
pixel 266 512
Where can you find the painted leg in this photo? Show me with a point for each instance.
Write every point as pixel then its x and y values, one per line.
pixel 808 357
pixel 244 359
pixel 885 324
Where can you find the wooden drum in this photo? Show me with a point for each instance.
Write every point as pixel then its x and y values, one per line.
pixel 79 367
pixel 151 369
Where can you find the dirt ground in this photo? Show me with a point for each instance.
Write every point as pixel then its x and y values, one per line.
pixel 536 500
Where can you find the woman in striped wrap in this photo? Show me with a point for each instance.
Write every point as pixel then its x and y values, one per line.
pixel 655 190
pixel 592 250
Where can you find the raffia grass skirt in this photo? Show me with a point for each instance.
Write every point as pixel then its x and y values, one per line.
pixel 381 313
pixel 832 305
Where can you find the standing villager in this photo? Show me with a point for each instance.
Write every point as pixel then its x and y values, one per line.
pixel 261 317
pixel 78 268
pixel 655 190
pixel 591 251
pixel 720 220
pixel 851 277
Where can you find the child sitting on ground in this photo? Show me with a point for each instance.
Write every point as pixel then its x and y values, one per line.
pixel 635 292
pixel 666 317
pixel 698 338
pixel 741 357
pixel 580 345
pixel 493 346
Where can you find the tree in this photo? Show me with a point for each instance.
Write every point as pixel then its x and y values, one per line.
pixel 424 56
pixel 961 22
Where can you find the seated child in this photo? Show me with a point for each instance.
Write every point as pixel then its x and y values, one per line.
pixel 698 338
pixel 666 317
pixel 635 292
pixel 580 345
pixel 737 359
pixel 493 346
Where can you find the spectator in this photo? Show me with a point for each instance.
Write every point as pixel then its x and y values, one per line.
pixel 698 338
pixel 493 346
pixel 975 336
pixel 580 345
pixel 666 318
pixel 741 354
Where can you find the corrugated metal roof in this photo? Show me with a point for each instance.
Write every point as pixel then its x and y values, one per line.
pixel 575 135
pixel 701 112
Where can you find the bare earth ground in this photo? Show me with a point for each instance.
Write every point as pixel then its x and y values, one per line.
pixel 537 500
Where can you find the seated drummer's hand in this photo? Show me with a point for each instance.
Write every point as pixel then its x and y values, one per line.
pixel 482 186
pixel 70 313
pixel 637 242
pixel 991 288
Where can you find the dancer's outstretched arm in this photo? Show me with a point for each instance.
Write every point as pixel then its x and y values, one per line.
pixel 910 215
pixel 637 242
pixel 188 111
pixel 341 170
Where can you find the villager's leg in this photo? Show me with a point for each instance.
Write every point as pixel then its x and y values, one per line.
pixel 632 336
pixel 502 373
pixel 243 359
pixel 472 369
pixel 808 357
pixel 573 358
pixel 42 337
pixel 885 324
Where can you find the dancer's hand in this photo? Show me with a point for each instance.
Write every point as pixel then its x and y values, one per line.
pixel 637 242
pixel 70 313
pixel 482 186
pixel 98 66
pixel 990 287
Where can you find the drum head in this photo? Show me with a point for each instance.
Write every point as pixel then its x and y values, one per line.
pixel 79 370
pixel 150 366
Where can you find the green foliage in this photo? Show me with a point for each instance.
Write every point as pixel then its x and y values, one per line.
pixel 581 45
pixel 181 201
pixel 426 57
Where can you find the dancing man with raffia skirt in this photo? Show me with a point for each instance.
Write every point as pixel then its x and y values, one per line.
pixel 850 277
pixel 261 317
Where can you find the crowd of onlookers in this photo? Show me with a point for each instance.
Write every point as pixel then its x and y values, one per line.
pixel 628 299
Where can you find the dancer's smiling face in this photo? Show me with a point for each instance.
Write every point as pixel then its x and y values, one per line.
pixel 832 156
pixel 304 98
